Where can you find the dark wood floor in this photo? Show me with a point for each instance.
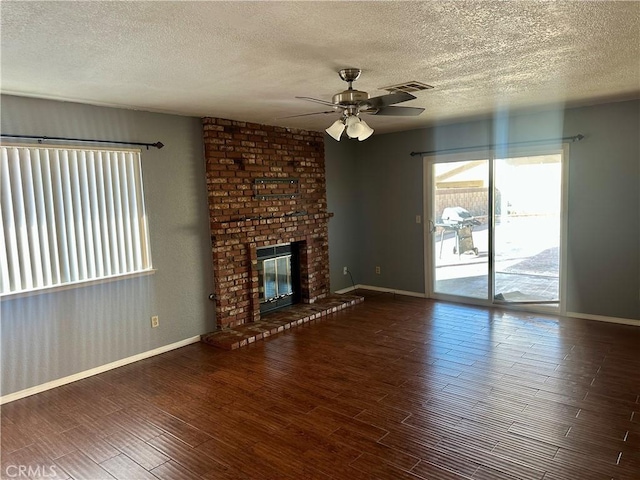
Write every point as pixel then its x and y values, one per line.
pixel 393 388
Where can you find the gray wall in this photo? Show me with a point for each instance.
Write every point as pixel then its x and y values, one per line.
pixel 604 211
pixel 343 200
pixel 604 202
pixel 53 335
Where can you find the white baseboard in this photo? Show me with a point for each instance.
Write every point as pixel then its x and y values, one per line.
pixel 584 316
pixel 346 290
pixel 94 371
pixel 382 289
pixel 604 318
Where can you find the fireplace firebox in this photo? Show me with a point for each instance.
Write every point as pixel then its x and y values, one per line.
pixel 278 276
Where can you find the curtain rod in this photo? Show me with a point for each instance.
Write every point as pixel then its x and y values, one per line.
pixel 574 138
pixel 41 138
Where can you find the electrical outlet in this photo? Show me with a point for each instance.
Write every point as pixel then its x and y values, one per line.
pixel 155 321
pixel 377 270
pixel 344 270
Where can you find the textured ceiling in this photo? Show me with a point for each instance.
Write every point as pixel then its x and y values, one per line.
pixel 248 60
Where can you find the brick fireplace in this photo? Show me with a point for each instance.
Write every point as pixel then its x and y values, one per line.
pixel 266 187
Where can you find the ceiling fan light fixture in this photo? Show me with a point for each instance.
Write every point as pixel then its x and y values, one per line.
pixel 336 129
pixel 353 125
pixel 367 131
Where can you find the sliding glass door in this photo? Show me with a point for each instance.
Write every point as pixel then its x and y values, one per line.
pixel 495 229
pixel 460 220
pixel 528 194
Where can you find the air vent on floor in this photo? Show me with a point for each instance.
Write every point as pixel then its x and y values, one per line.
pixel 407 87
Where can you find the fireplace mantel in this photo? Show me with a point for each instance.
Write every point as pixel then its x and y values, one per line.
pixel 220 230
pixel 252 225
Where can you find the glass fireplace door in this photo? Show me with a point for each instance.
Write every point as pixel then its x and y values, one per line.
pixel 278 276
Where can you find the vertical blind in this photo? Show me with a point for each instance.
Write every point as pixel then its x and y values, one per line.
pixel 70 215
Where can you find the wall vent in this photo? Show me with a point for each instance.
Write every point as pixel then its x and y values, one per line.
pixel 407 87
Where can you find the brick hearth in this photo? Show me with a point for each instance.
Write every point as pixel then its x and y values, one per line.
pixel 280 321
pixel 266 186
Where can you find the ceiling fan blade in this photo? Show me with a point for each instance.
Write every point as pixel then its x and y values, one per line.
pixel 306 114
pixel 386 100
pixel 400 111
pixel 321 102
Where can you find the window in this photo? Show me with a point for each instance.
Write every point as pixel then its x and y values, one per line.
pixel 70 215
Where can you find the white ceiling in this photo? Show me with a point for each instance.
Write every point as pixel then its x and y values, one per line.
pixel 248 60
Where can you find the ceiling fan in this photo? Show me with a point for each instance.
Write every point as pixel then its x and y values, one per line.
pixel 351 103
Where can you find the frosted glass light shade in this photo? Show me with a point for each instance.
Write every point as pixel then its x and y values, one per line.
pixel 336 129
pixel 367 131
pixel 354 127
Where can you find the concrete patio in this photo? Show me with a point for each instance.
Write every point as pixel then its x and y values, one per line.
pixel 526 261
